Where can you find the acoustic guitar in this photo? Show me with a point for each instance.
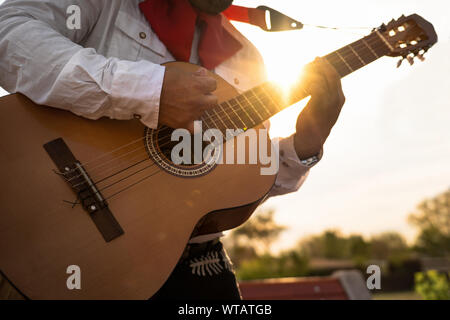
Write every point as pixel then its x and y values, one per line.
pixel 105 196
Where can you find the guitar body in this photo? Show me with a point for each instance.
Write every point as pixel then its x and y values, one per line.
pixel 41 235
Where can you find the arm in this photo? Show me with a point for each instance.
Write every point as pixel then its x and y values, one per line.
pixel 315 122
pixel 41 58
pixel 313 127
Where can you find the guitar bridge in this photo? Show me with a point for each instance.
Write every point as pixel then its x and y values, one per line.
pixel 84 187
pixel 90 197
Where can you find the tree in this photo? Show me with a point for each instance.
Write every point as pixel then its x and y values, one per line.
pixel 388 245
pixel 358 247
pixel 335 246
pixel 432 218
pixel 253 238
pixel 330 244
pixel 432 285
pixel 287 264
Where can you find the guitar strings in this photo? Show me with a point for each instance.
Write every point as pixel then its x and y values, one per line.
pixel 131 166
pixel 162 143
pixel 129 176
pixel 121 170
pixel 219 114
pixel 230 107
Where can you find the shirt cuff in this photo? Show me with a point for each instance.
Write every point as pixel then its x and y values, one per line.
pixel 289 154
pixel 292 172
pixel 136 91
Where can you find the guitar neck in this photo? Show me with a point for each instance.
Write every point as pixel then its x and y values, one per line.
pixel 260 103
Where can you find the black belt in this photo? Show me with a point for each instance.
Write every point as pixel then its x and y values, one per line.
pixel 198 249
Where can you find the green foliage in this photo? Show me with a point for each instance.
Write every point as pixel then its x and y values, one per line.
pixel 388 245
pixel 358 247
pixel 261 230
pixel 254 238
pixel 432 218
pixel 288 264
pixel 432 285
pixel 249 248
pixel 332 245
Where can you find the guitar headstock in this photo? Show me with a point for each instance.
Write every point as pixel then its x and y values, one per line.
pixel 409 37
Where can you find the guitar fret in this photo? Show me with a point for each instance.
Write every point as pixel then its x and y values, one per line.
pixel 384 40
pixel 251 95
pixel 220 119
pixel 356 54
pixel 226 114
pixel 267 106
pixel 363 52
pixel 345 62
pixel 234 111
pixel 370 48
pixel 351 57
pixel 341 68
pixel 212 120
pixel 205 123
pixel 267 94
pixel 253 107
pixel 265 100
pixel 243 109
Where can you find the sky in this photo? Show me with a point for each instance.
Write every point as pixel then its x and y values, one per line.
pixel 391 146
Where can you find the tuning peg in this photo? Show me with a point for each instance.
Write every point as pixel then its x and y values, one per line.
pixel 421 57
pixel 399 63
pixel 410 59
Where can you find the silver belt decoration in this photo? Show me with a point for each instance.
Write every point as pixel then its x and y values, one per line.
pixel 210 263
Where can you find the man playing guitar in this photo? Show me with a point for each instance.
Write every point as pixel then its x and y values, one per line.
pixel 111 67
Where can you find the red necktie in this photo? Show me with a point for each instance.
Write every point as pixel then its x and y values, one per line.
pixel 174 23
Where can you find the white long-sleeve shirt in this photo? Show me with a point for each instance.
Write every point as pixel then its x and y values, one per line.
pixel 110 67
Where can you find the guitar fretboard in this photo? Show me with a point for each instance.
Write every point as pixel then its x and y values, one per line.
pixel 260 103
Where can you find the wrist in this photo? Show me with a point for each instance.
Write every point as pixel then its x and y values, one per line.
pixel 308 142
pixel 311 134
pixel 306 149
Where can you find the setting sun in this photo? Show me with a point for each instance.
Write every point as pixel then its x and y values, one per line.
pixel 380 120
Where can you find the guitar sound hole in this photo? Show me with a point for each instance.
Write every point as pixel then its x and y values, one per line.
pixel 159 146
pixel 166 145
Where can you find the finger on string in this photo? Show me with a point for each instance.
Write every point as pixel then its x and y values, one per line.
pixel 210 101
pixel 315 83
pixel 330 74
pixel 334 79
